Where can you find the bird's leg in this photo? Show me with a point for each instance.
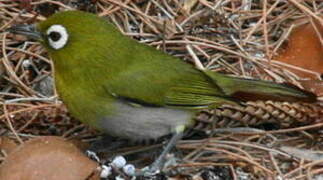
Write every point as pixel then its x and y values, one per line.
pixel 160 161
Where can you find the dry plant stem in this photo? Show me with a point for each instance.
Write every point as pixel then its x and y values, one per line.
pixel 295 67
pixel 310 173
pixel 282 39
pixel 201 164
pixel 308 165
pixel 53 2
pixel 266 29
pixel 29 53
pixel 238 150
pixel 12 74
pixel 9 23
pixel 194 165
pixel 197 62
pixel 306 10
pixel 261 20
pixel 113 10
pixel 30 99
pixel 70 131
pixel 318 125
pixel 209 45
pixel 241 158
pixel 254 146
pixel 7 116
pixel 135 10
pixel 234 175
pixel 35 107
pixel 318 33
pixel 273 160
pixel 288 130
pixel 28 122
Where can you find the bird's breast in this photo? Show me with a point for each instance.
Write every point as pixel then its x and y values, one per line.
pixel 143 123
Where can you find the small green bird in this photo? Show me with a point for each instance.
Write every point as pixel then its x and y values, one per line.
pixel 134 91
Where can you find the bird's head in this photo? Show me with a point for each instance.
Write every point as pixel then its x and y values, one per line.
pixel 72 33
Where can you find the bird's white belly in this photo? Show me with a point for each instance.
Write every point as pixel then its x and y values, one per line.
pixel 142 123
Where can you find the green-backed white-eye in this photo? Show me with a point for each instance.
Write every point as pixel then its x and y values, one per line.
pixel 134 91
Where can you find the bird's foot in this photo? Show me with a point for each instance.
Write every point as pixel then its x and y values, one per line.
pixel 158 167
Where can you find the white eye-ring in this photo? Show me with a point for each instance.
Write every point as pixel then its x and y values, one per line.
pixel 57 36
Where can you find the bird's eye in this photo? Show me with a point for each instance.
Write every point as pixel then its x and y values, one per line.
pixel 54 36
pixel 57 36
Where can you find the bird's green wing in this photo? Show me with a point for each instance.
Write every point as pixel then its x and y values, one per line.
pixel 187 88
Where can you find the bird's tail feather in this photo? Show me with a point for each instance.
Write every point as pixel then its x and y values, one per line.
pixel 248 90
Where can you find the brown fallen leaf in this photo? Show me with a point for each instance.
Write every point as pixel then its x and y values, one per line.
pixel 49 158
pixel 304 49
pixel 7 145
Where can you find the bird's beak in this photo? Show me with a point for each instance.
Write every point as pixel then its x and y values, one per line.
pixel 29 31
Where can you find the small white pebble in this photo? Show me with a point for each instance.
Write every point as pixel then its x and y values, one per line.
pixel 129 169
pixel 92 155
pixel 26 63
pixel 259 54
pixel 106 171
pixel 233 17
pixel 119 178
pixel 252 24
pixel 279 178
pixel 118 162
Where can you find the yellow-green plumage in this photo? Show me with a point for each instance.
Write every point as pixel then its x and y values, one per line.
pixel 132 90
